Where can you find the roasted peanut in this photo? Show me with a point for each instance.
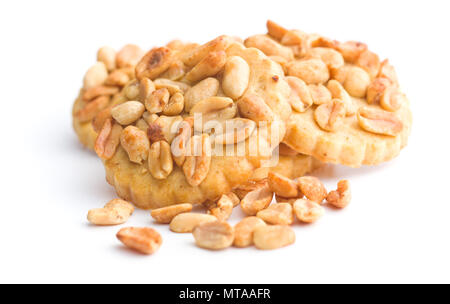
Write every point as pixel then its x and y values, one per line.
pixel 99 120
pixel 236 130
pixel 128 112
pixel 257 200
pixel 341 197
pixel 108 139
pixel 146 89
pixel 290 201
pixel 275 30
pixel 242 190
pixel 95 76
pixel 214 235
pixel 90 110
pixel 175 105
pixel 243 231
pixel 254 107
pixel 392 99
pixel 149 118
pixel 387 71
pixel 172 86
pixel 95 92
pixel 206 88
pixel 142 125
pixel 115 212
pixel 273 237
pixel 295 38
pixel 351 50
pixel 234 199
pixel 166 214
pixel 175 71
pixel 281 185
pixel 160 163
pixel 223 208
pixel 164 128
pixel 311 71
pixel 285 150
pixel 135 142
pixel 157 101
pixel 356 82
pixel 235 77
pixel 117 78
pixel 212 64
pixel 198 160
pixel 301 98
pixel 312 188
pixel 330 57
pixel 379 121
pixel 329 116
pixel 186 222
pixel 181 140
pixel 107 55
pixel 370 62
pixel 338 92
pixel 319 94
pixel 307 211
pixel 220 43
pixel 144 240
pixel 219 109
pixel 154 63
pixel 277 214
pixel 269 46
pixel 376 90
pixel 129 56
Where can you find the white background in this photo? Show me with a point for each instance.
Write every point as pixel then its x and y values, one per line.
pixel 396 229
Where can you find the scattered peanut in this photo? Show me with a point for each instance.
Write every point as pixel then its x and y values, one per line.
pixel 115 212
pixel 312 188
pixel 307 211
pixel 243 231
pixel 214 235
pixel 282 186
pixel 166 214
pixel 223 209
pixel 341 197
pixel 257 200
pixel 273 237
pixel 144 240
pixel 186 222
pixel 277 214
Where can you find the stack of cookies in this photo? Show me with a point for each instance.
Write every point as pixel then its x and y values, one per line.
pixel 232 123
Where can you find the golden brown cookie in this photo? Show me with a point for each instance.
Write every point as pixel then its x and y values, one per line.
pixel 348 107
pixel 155 149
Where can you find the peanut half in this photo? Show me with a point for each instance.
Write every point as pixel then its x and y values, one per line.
pixel 277 214
pixel 198 161
pixel 307 211
pixel 214 235
pixel 379 121
pixel 282 186
pixel 235 77
pixel 257 200
pixel 243 231
pixel 165 215
pixel 341 197
pixel 115 212
pixel 128 112
pixel 186 222
pixel 329 116
pixel 160 162
pixel 144 240
pixel 273 237
pixel 223 208
pixel 135 142
pixel 312 188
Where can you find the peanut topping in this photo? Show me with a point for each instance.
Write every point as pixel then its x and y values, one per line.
pixel 108 139
pixel 282 186
pixel 128 112
pixel 91 109
pixel 387 71
pixel 129 56
pixel 175 105
pixel 236 130
pixel 95 76
pixel 301 98
pixel 158 101
pixel 135 142
pixel 144 240
pixel 198 160
pixel 275 30
pixel 376 90
pixel 154 63
pixel 107 55
pixel 160 163
pixel 311 71
pixel 379 122
pixel 206 88
pixel 208 66
pixel 223 209
pixel 254 108
pixel 319 94
pixel 329 116
pixel 356 82
pixel 95 92
pixel 269 46
pixel 392 99
pixel 370 62
pixel 341 197
pixel 235 77
pixel 330 57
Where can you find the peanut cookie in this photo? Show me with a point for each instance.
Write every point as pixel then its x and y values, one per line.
pixel 205 118
pixel 348 107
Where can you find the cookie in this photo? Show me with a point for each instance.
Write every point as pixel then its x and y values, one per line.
pixel 348 106
pixel 102 88
pixel 205 118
